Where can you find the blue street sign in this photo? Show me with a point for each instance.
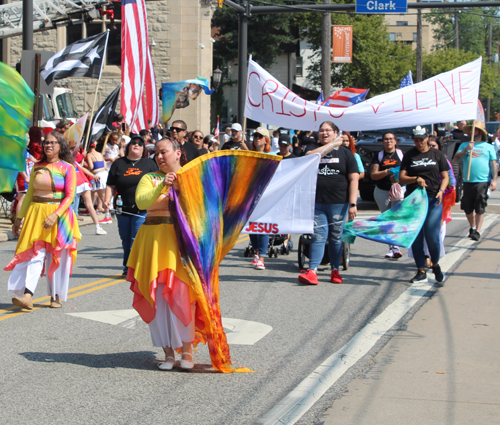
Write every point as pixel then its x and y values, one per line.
pixel 381 6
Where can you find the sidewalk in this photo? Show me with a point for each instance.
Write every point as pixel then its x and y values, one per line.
pixel 445 367
pixel 6 227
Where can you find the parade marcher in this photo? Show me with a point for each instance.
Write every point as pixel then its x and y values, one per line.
pixel 458 133
pixel 284 145
pixel 348 142
pixel 97 166
pixel 198 141
pixel 35 145
pixel 426 167
pixel 261 143
pixel 50 232
pixel 155 260
pixel 178 131
pixel 381 167
pixel 483 175
pixel 124 176
pixel 236 142
pixel 336 198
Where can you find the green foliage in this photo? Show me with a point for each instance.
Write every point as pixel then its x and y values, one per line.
pixel 267 35
pixel 378 63
pixel 473 25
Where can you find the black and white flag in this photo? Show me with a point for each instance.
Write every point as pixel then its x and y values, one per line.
pixel 103 118
pixel 84 58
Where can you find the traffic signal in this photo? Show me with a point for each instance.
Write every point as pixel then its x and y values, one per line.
pixel 221 2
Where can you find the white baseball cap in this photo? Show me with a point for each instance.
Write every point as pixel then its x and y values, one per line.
pixel 237 127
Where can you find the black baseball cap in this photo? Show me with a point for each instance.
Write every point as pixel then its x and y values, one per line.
pixel 284 139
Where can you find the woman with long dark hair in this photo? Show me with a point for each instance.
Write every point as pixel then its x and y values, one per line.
pixel 50 230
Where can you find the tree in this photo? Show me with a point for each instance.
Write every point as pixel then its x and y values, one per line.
pixel 267 35
pixel 378 63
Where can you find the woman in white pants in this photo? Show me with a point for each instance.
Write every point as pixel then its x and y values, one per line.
pixel 49 227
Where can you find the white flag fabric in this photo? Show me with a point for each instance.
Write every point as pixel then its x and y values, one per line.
pixel 450 96
pixel 287 205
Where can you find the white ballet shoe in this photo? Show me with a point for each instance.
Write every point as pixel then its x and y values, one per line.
pixel 168 365
pixel 187 364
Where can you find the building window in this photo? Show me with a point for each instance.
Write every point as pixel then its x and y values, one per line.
pixel 299 71
pixel 401 23
pixel 399 34
pixel 415 36
pixel 392 36
pixel 82 30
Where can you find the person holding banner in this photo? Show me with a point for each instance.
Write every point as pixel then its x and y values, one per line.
pixel 336 196
pixel 261 143
pixel 427 168
pixel 483 174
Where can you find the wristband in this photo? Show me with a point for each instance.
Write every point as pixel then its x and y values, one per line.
pixel 353 205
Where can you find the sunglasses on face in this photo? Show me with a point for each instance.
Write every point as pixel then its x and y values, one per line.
pixel 178 129
pixel 258 136
pixel 197 137
pixel 137 142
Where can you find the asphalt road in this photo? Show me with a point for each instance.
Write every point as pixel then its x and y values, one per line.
pixel 72 366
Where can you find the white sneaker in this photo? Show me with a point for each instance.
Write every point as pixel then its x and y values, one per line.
pixel 100 231
pixel 260 265
pixel 390 254
pixel 255 260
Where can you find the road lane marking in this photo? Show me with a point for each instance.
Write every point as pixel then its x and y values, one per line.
pixel 37 306
pixel 294 405
pixel 238 331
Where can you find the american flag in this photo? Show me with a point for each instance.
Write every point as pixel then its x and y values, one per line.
pixel 346 97
pixel 138 76
pixel 406 81
pixel 217 130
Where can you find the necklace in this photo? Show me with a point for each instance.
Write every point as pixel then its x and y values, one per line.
pixel 133 163
pixel 390 155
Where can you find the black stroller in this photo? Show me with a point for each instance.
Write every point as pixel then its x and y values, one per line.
pixel 276 246
pixel 303 253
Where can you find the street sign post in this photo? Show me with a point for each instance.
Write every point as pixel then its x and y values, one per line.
pixel 381 6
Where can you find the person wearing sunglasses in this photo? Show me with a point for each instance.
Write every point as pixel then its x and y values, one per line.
pixel 197 139
pixel 47 227
pixel 178 132
pixel 124 176
pixel 236 142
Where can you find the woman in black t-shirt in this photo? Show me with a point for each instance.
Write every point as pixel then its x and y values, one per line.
pixel 336 195
pixel 124 176
pixel 423 166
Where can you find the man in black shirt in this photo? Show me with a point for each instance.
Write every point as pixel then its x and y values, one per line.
pixel 458 133
pixel 236 142
pixel 284 145
pixel 178 131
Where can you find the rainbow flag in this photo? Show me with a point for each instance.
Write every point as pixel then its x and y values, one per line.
pixel 399 225
pixel 16 107
pixel 214 197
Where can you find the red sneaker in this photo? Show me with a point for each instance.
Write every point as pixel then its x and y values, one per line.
pixel 308 277
pixel 84 212
pixel 335 277
pixel 106 220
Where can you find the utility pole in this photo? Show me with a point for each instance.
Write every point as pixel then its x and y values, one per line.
pixel 419 44
pixel 27 24
pixel 326 57
pixel 242 59
pixel 488 100
pixel 456 30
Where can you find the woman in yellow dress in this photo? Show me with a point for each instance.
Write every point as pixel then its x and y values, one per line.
pixel 158 279
pixel 50 230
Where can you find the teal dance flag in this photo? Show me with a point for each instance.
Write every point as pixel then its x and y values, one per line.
pixel 399 225
pixel 16 106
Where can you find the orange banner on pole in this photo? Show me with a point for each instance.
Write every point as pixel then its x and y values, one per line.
pixel 342 43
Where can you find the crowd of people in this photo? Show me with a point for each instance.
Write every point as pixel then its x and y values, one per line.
pixel 131 174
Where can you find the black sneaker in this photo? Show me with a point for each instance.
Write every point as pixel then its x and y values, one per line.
pixel 475 236
pixel 420 277
pixel 438 274
pixel 471 232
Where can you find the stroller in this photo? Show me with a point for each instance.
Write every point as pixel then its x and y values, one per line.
pixel 303 253
pixel 276 246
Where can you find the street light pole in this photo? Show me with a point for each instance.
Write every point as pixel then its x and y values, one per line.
pixel 242 59
pixel 419 44
pixel 27 24
pixel 326 58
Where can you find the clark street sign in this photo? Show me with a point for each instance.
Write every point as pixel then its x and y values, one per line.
pixel 381 6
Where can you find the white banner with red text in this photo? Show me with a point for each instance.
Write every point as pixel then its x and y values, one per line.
pixel 450 96
pixel 287 204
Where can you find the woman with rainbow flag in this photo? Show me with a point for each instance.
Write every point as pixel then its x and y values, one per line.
pixel 50 230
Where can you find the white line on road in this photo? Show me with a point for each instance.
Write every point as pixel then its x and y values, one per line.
pixel 293 406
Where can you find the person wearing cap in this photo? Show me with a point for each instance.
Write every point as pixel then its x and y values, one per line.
pixel 483 174
pixel 236 142
pixel 427 168
pixel 178 131
pixel 124 176
pixel 261 143
pixel 63 126
pixel 284 147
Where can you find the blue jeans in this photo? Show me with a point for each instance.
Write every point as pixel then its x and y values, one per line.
pixel 260 243
pixel 329 220
pixel 128 226
pixel 76 204
pixel 430 230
